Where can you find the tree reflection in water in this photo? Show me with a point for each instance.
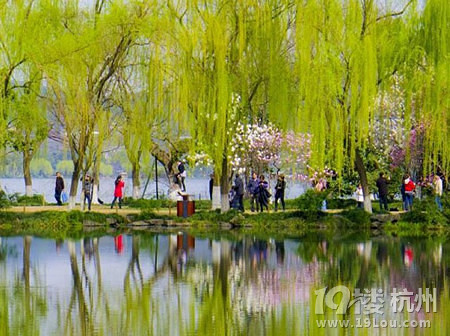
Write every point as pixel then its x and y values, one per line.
pixel 179 284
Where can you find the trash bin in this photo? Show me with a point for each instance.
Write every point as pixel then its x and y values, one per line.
pixel 186 207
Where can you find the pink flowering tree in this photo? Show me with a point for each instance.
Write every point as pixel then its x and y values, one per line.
pixel 296 153
pixel 255 147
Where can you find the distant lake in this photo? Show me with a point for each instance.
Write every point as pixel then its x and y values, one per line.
pixel 195 186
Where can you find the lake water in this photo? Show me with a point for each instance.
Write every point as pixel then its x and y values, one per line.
pixel 199 187
pixel 221 284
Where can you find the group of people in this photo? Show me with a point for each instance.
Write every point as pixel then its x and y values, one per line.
pixel 408 190
pixel 87 190
pixel 258 189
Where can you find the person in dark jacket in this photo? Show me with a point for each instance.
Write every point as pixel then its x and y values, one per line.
pixel 382 185
pixel 252 188
pixel 211 185
pixel 59 187
pixel 263 194
pixel 87 190
pixel 182 175
pixel 279 191
pixel 239 187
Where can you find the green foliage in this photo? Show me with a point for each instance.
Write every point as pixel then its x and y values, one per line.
pixel 161 203
pixel 35 200
pixel 341 203
pixel 41 167
pixel 357 216
pixel 426 212
pixel 106 169
pixel 65 167
pixel 311 200
pixel 57 224
pixel 5 202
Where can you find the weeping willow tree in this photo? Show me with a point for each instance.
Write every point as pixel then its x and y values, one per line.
pixel 230 57
pixel 147 122
pixel 430 101
pixel 28 128
pixel 90 45
pixel 342 61
pixel 21 113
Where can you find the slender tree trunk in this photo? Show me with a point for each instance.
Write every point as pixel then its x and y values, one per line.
pixel 224 186
pixel 27 173
pixel 135 172
pixel 361 169
pixel 74 185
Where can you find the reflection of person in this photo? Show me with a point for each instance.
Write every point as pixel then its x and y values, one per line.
pixel 252 188
pixel 118 191
pixel 437 188
pixel 360 196
pixel 87 190
pixel 59 187
pixel 118 244
pixel 279 191
pixel 382 185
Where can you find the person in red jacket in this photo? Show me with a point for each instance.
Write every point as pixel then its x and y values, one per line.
pixel 409 191
pixel 118 191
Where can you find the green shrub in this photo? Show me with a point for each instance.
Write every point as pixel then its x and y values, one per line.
pixel 426 212
pixel 341 203
pixel 161 203
pixel 356 216
pixel 34 200
pixel 5 202
pixel 310 200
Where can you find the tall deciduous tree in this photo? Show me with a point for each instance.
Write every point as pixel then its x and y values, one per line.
pixel 91 48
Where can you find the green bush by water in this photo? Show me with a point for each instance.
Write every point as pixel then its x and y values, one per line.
pixel 155 204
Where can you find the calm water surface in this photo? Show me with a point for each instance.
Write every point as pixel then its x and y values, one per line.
pixel 233 284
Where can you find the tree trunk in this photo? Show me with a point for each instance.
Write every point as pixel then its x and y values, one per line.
pixel 27 173
pixel 135 172
pixel 224 186
pixel 361 169
pixel 74 185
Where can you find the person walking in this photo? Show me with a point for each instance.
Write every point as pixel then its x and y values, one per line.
pixel 252 189
pixel 211 186
pixel 280 187
pixel 119 184
pixel 239 187
pixel 87 191
pixel 59 187
pixel 360 196
pixel 437 188
pixel 403 193
pixel 182 174
pixel 320 187
pixel 382 185
pixel 263 194
pixel 409 192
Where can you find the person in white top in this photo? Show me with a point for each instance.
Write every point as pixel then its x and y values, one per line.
pixel 360 196
pixel 437 187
